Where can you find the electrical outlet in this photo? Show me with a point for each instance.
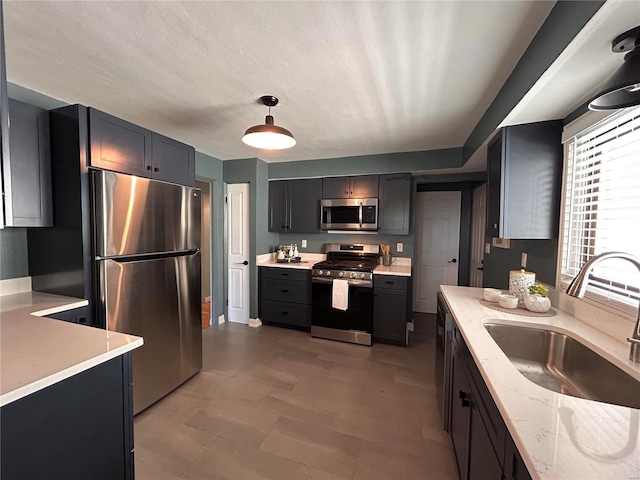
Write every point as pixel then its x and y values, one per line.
pixel 399 247
pixel 487 248
pixel 523 260
pixel 304 244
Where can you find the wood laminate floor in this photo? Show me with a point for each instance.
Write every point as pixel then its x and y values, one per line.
pixel 273 403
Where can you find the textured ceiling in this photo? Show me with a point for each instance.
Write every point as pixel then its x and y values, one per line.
pixel 354 78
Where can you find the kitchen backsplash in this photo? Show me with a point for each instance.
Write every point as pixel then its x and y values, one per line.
pixel 316 241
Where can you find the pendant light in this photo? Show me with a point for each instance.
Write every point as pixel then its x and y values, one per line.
pixel 269 136
pixel 622 89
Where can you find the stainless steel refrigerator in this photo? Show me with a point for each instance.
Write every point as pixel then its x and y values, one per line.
pixel 147 268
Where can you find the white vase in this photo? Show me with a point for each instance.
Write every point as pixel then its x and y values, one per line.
pixel 537 303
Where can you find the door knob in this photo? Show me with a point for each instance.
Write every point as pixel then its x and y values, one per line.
pixel 453 260
pixel 243 263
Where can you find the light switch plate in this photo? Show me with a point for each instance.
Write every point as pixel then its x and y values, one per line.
pixel 304 244
pixel 399 247
pixel 487 248
pixel 523 260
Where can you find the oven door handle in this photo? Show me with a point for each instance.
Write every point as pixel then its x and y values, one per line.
pixel 353 282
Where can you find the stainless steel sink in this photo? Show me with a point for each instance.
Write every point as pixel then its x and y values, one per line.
pixel 560 363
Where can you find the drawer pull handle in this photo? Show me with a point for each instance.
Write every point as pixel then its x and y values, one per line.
pixel 389 282
pixel 284 291
pixel 285 313
pixel 284 274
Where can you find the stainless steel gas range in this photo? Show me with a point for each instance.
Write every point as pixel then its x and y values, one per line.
pixel 349 267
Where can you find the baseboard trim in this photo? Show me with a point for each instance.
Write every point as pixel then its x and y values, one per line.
pixel 255 322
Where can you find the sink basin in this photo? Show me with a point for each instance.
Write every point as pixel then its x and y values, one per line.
pixel 562 364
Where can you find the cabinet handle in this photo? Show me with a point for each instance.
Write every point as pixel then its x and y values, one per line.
pixel 464 397
pixel 389 282
pixel 284 313
pixel 148 167
pixel 156 169
pixel 284 274
pixel 284 291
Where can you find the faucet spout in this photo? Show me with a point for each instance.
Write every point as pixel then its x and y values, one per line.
pixel 578 287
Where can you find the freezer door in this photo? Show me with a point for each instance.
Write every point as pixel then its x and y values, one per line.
pixel 159 300
pixel 135 215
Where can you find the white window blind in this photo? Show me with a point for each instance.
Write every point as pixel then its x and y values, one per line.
pixel 602 206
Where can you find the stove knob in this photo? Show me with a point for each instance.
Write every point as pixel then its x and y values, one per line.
pixel 341 274
pixel 353 274
pixel 362 275
pixel 320 272
pixel 328 273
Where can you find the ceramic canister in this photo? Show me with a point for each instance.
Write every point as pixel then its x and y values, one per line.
pixel 519 283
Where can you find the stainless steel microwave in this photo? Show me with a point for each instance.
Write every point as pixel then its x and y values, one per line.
pixel 349 214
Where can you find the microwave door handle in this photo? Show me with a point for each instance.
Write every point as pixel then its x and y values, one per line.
pixel 360 214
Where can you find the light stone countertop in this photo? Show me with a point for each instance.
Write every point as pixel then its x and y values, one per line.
pixel 399 270
pixel 36 352
pixel 308 260
pixel 558 436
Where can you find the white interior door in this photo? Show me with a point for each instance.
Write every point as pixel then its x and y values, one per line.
pixel 238 252
pixel 437 240
pixel 478 216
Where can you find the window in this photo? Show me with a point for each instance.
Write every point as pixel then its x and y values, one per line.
pixel 602 207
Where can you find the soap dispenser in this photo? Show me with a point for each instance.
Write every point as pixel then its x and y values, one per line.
pixel 295 251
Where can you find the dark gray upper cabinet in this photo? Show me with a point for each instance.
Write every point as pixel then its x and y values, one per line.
pixel 363 186
pixel 278 214
pixel 173 161
pixel 119 145
pixel 294 205
pixel 26 171
pixel 394 201
pixel 524 174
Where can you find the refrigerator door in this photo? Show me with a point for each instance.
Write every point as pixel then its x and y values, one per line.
pixel 158 299
pixel 135 215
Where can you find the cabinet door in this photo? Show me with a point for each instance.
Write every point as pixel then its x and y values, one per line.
pixel 119 145
pixel 514 467
pixel 28 201
pixel 390 315
pixel 394 200
pixel 483 463
pixel 335 187
pixel 363 186
pixel 278 220
pixel 80 315
pixel 460 415
pixel 494 169
pixel 304 205
pixel 173 161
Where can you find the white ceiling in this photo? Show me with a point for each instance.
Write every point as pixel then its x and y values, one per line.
pixel 353 78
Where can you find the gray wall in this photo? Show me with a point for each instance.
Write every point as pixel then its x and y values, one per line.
pixel 541 259
pixel 210 169
pixel 14 262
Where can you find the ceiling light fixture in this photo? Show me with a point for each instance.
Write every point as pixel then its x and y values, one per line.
pixel 269 136
pixel 622 89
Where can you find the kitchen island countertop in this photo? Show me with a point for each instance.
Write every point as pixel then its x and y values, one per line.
pixel 36 352
pixel 558 436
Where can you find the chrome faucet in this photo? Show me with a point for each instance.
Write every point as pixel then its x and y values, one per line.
pixel 578 286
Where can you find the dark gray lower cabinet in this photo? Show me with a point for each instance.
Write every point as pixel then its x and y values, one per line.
pixel 76 429
pixel 285 297
pixel 482 446
pixel 81 315
pixel 390 308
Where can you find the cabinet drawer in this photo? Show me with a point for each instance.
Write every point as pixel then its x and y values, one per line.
pixel 390 282
pixel 285 313
pixel 290 274
pixel 291 292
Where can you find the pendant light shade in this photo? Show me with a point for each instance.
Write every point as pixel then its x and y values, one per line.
pixel 269 136
pixel 622 89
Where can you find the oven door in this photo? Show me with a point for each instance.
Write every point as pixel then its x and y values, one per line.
pixel 353 325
